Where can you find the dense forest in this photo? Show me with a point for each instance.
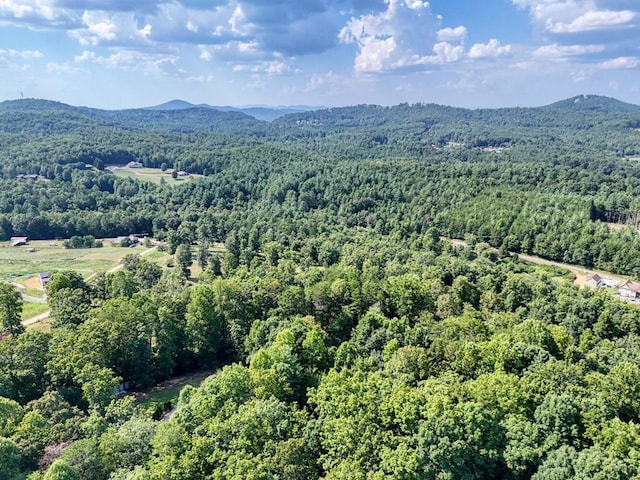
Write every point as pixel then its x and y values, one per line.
pixel 345 338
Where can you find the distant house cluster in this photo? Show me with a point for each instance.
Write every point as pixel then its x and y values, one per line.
pixel 625 289
pixel 27 176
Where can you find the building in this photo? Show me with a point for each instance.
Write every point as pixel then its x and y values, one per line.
pixel 19 241
pixel 629 289
pixel 134 165
pixel 44 278
pixel 597 280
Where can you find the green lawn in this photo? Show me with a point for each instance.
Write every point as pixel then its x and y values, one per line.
pixel 32 309
pixel 18 263
pixel 153 175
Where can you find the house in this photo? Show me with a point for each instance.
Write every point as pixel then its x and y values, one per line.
pixel 182 173
pixel 19 241
pixel 44 278
pixel 597 280
pixel 134 165
pixel 629 289
pixel 594 281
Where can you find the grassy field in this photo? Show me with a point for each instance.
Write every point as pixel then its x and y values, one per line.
pixel 32 309
pixel 153 175
pixel 19 263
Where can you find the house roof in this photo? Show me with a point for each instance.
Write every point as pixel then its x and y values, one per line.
pixel 629 285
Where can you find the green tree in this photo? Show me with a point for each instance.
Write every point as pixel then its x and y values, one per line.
pixel 10 309
pixel 184 258
pixel 60 470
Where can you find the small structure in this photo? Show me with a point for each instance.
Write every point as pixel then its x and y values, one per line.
pixel 27 176
pixel 44 278
pixel 124 388
pixel 629 289
pixel 134 165
pixel 593 281
pixel 182 173
pixel 19 241
pixel 597 280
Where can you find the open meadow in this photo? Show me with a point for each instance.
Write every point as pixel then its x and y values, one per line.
pixel 19 264
pixel 154 175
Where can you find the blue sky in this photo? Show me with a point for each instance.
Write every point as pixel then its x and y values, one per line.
pixel 471 53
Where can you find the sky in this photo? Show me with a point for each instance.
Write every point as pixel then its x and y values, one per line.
pixel 116 54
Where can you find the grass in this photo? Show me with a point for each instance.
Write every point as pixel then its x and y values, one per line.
pixel 153 175
pixel 43 326
pixel 32 309
pixel 18 262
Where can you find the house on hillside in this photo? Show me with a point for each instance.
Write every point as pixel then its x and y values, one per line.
pixel 134 165
pixel 19 241
pixel 629 289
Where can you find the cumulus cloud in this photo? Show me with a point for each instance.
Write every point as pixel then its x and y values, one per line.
pixel 101 28
pixel 449 34
pixel 490 50
pixel 396 38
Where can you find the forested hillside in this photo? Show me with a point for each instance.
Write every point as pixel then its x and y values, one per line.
pixel 344 338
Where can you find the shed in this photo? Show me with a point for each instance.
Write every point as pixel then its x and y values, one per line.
pixel 19 241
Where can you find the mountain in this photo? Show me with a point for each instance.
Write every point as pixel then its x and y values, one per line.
pixel 44 117
pixel 595 103
pixel 259 112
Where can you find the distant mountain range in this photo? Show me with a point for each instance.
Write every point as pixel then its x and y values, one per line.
pixel 594 103
pixel 260 112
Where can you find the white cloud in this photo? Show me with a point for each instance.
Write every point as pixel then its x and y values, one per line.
pixel 620 63
pixel 26 54
pixel 111 28
pixel 555 51
pixel 592 20
pixel 448 34
pixel 398 37
pixel 490 50
pixel 445 53
pixel 574 16
pixel 60 68
pixel 276 67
